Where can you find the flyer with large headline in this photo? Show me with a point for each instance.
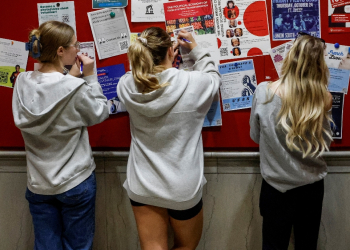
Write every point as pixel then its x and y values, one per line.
pixel 292 16
pixel 338 16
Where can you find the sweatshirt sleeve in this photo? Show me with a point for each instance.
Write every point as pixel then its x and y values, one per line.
pixel 91 103
pixel 254 121
pixel 205 77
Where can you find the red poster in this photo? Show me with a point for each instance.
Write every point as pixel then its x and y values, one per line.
pixel 338 3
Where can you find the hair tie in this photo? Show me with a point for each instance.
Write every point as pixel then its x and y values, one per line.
pixel 143 40
pixel 29 47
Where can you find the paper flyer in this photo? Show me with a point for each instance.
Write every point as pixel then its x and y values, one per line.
pixel 338 62
pixel 13 60
pixel 111 34
pixel 337 115
pixel 241 28
pixel 338 16
pixel 238 84
pixel 213 117
pixel 88 49
pixel 57 11
pixel 291 16
pixel 277 55
pixel 196 13
pixel 100 4
pixel 108 77
pixel 147 10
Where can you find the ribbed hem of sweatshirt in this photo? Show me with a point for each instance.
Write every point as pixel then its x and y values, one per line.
pixel 158 202
pixel 68 185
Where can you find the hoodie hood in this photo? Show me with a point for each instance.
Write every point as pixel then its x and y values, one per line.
pixel 157 102
pixel 36 105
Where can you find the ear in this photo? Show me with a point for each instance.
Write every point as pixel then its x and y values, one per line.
pixel 171 52
pixel 60 51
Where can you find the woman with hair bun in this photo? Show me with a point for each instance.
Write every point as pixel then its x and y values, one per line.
pixel 167 108
pixel 290 120
pixel 53 110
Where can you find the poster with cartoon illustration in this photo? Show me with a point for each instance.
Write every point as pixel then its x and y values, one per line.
pixel 147 10
pixel 338 16
pixel 238 84
pixel 13 60
pixel 292 16
pixel 111 33
pixel 241 28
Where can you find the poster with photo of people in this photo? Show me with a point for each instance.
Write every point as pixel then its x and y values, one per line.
pixel 292 16
pixel 241 28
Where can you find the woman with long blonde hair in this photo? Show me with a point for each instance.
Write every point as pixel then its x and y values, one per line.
pixel 167 108
pixel 290 121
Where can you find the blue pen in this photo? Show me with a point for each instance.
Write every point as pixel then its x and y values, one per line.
pixel 184 39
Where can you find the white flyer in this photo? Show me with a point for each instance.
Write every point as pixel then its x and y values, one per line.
pixel 111 32
pixel 147 10
pixel 57 11
pixel 13 60
pixel 277 56
pixel 238 84
pixel 242 28
pixel 88 49
pixel 187 62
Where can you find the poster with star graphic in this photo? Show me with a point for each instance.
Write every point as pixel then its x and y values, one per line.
pixel 147 10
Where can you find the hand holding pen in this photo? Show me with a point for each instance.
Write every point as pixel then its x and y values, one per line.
pixel 185 39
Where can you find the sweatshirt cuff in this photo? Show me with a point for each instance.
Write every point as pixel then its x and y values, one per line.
pixel 198 52
pixel 90 79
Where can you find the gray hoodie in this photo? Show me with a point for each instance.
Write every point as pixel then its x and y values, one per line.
pixel 165 166
pixel 53 117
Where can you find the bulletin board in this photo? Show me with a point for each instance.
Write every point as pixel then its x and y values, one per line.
pixel 19 17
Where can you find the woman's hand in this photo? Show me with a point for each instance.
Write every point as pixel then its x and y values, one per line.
pixel 88 65
pixel 188 36
pixel 75 70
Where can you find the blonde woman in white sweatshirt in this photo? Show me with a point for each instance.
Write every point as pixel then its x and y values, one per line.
pixel 52 110
pixel 167 108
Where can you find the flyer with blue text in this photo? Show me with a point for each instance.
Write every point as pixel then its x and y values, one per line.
pixel 238 84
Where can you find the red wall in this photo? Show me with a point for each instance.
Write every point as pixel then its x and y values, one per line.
pixel 19 17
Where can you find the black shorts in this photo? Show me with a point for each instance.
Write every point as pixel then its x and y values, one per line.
pixel 178 214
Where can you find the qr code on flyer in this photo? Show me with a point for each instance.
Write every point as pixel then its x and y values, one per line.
pixel 223 51
pixel 3 77
pixel 124 45
pixel 226 106
pixel 65 18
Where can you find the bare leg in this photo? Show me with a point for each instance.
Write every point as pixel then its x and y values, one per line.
pixel 152 225
pixel 187 233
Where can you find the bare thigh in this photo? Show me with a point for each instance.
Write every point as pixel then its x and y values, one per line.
pixel 187 233
pixel 152 225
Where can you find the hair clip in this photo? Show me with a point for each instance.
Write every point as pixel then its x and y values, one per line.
pixel 29 47
pixel 143 40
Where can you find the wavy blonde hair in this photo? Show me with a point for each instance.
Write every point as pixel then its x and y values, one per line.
pixel 146 55
pixel 303 89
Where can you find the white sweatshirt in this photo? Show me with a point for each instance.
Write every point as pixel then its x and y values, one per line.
pixel 165 166
pixel 52 111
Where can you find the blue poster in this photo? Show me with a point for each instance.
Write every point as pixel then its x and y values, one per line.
pixel 213 117
pixel 238 84
pixel 339 80
pixel 108 77
pixel 99 4
pixel 292 16
pixel 337 115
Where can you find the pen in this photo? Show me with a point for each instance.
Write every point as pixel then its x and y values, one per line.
pixel 184 39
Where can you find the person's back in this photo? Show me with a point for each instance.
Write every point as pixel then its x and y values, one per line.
pixel 291 123
pixel 167 108
pixel 52 110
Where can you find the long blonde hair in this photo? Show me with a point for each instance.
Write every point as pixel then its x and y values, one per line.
pixel 146 55
pixel 304 85
pixel 51 35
